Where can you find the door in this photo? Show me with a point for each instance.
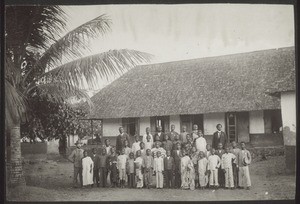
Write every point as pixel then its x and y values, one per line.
pixel 242 121
pixel 131 126
pixel 231 126
pixel 190 120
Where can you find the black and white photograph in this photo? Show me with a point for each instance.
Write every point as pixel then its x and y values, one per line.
pixel 150 102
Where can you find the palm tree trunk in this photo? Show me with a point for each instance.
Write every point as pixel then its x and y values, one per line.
pixel 16 176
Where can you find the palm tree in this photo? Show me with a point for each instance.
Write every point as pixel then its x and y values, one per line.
pixel 41 62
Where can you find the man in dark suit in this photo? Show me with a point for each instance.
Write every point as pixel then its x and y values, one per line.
pixel 169 168
pixel 219 137
pixel 159 134
pixel 121 140
pixel 96 160
pixel 177 154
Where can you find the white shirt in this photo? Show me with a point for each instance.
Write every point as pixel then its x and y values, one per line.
pixel 158 164
pixel 213 162
pixel 227 159
pixel 145 138
pixel 121 161
pixel 108 150
pixel 195 135
pixel 148 145
pixel 202 164
pixel 201 144
pixel 135 147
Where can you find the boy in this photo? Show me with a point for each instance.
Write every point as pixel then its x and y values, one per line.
pixel 138 170
pixel 195 132
pixel 113 167
pixel 213 165
pixel 221 174
pixel 208 151
pixel 130 170
pixel 202 170
pixel 194 158
pixel 142 149
pixel 158 170
pixel 127 148
pixel 244 160
pixel 148 142
pixel 219 137
pixel 176 140
pixel 200 143
pixel 136 145
pixel 167 143
pixel 158 148
pixel 87 169
pixel 177 154
pixel 103 167
pixel 121 165
pixel 226 165
pixel 96 160
pixel 147 167
pixel 107 147
pixel 235 150
pixel 169 168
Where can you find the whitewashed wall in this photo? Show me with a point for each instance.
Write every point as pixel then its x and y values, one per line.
pixel 111 127
pixel 144 123
pixel 288 112
pixel 175 120
pixel 211 120
pixel 256 122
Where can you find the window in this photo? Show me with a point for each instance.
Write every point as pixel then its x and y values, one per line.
pixel 163 121
pixel 272 121
pixel 131 125
pixel 190 120
pixel 231 126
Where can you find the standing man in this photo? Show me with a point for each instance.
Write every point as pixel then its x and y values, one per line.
pixel 75 157
pixel 195 132
pixel 183 134
pixel 219 137
pixel 172 134
pixel 121 140
pixel 159 133
pixel 145 135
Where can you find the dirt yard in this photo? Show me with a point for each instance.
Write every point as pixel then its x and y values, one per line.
pixel 51 180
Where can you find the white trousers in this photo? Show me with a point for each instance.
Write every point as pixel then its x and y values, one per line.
pixel 159 180
pixel 213 179
pixel 244 176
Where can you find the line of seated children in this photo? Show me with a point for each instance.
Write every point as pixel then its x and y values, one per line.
pixel 184 168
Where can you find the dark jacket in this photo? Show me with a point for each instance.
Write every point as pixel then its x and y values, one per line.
pixel 169 164
pixel 161 138
pixel 216 140
pixel 96 160
pixel 177 159
pixel 120 141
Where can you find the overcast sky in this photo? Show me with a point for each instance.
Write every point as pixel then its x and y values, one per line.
pixel 179 32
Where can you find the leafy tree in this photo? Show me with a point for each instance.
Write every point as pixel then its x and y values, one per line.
pixel 42 62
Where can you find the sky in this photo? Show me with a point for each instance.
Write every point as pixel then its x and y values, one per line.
pixel 181 32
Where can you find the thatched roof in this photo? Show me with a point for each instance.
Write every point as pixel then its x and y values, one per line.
pixel 236 82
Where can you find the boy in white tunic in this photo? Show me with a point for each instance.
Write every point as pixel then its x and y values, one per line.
pixel 158 168
pixel 138 170
pixel 121 165
pixel 87 169
pixel 226 165
pixel 200 143
pixel 202 170
pixel 148 143
pixel 213 166
pixel 136 145
pixel 244 160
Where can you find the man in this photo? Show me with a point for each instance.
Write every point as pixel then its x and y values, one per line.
pixel 75 157
pixel 200 143
pixel 145 135
pixel 172 134
pixel 177 154
pixel 219 137
pixel 169 168
pixel 159 133
pixel 96 161
pixel 183 134
pixel 121 140
pixel 195 132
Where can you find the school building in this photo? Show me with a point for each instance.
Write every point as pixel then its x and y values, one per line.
pixel 251 94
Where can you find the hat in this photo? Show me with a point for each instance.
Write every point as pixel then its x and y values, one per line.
pixel 246 161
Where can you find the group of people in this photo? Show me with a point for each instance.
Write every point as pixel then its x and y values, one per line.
pixel 176 160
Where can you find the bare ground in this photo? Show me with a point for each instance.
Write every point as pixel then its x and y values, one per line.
pixel 51 180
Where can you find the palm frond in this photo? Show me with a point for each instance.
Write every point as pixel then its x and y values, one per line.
pixel 15 104
pixel 74 43
pixel 89 69
pixel 59 92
